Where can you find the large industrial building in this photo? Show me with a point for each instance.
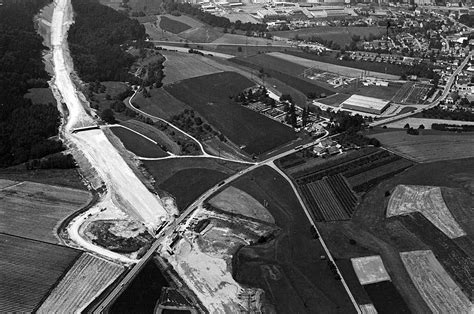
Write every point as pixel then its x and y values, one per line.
pixel 365 104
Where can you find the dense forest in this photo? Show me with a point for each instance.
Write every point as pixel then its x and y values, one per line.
pixel 96 41
pixel 25 128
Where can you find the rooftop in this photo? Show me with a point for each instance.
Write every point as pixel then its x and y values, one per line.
pixel 366 102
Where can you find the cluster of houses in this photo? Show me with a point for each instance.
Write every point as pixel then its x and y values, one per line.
pixel 326 148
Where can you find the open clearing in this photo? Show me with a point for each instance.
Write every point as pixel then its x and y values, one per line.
pixel 428 201
pixel 87 278
pixel 236 201
pixel 62 177
pixel 41 96
pixel 28 270
pixel 353 72
pixel 209 95
pixel 288 267
pixel 138 144
pixel 35 210
pixel 435 285
pixel 428 147
pixel 369 269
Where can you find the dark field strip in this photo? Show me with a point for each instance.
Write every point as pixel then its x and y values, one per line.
pixel 335 164
pixel 454 260
pixel 386 298
pixel 29 269
pixel 365 180
pixel 360 295
pixel 137 144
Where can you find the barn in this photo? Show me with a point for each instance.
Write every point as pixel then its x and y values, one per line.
pixel 366 104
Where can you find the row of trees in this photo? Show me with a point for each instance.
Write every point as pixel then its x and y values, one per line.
pixel 211 19
pixel 25 129
pixel 97 40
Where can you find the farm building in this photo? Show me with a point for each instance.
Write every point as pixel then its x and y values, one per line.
pixel 366 104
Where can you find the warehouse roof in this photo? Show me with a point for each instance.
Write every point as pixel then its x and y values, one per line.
pixel 366 102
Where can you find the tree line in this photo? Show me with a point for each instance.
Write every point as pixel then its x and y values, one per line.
pixel 176 8
pixel 98 40
pixel 25 129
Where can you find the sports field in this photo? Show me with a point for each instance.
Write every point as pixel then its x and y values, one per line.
pixel 428 201
pixel 138 144
pixel 435 285
pixel 412 93
pixel 210 96
pixel 86 279
pixel 427 146
pixel 29 269
pixel 35 210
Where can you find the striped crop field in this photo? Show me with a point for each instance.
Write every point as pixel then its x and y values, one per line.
pixel 28 270
pixel 435 285
pixel 34 210
pixel 89 277
pixel 329 199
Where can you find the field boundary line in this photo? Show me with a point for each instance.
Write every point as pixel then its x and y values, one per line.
pixel 328 253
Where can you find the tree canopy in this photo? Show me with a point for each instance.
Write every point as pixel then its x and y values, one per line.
pixel 25 129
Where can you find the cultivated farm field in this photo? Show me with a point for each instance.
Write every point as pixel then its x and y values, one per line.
pixel 370 269
pixel 210 96
pixel 435 285
pixel 348 71
pixel 180 66
pixel 173 26
pixel 428 201
pixel 86 279
pixel 285 71
pixel 35 210
pixel 29 269
pixel 288 267
pixel 138 144
pixel 178 175
pixel 236 201
pixel 428 147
